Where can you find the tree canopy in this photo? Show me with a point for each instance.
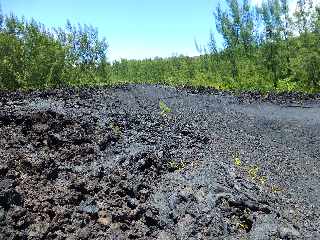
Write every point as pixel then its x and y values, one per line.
pixel 265 48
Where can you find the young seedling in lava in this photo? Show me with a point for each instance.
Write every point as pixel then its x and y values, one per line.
pixel 116 130
pixel 253 171
pixel 255 174
pixel 275 189
pixel 241 220
pixel 263 180
pixel 243 226
pixel 176 166
pixel 237 161
pixel 165 110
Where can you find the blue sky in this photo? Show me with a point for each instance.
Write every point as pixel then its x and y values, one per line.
pixel 133 28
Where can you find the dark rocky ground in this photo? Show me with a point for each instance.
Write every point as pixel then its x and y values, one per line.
pixel 110 164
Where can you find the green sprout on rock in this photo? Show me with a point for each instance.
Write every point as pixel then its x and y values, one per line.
pixel 176 166
pixel 165 110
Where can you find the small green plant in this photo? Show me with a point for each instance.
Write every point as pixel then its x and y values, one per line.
pixel 241 220
pixel 176 166
pixel 243 226
pixel 263 180
pixel 252 171
pixel 237 161
pixel 276 189
pixel 165 110
pixel 116 130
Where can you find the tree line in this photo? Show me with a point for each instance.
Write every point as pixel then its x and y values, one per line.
pixel 265 48
pixel 32 56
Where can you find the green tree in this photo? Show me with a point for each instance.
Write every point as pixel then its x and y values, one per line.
pixel 236 27
pixel 32 56
pixel 286 32
pixel 312 67
pixel 86 52
pixel 272 58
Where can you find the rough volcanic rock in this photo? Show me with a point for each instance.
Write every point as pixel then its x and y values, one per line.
pixel 111 164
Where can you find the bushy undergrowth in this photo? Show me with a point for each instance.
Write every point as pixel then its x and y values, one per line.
pixel 32 56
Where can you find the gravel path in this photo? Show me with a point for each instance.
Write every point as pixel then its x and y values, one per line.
pixel 153 162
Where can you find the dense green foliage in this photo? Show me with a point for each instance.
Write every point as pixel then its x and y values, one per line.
pixel 264 49
pixel 31 56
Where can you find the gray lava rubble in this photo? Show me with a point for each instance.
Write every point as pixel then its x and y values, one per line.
pixel 154 162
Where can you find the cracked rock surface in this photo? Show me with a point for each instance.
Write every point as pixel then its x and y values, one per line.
pixel 109 163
